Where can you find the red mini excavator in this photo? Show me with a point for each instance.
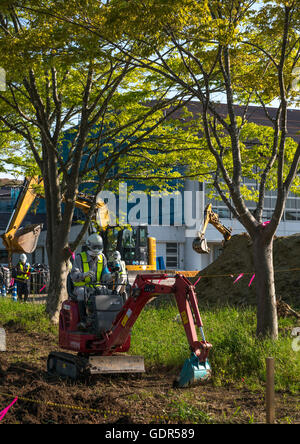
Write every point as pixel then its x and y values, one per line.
pixel 102 349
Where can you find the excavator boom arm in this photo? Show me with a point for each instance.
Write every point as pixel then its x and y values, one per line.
pixel 23 204
pixel 213 218
pixel 215 221
pixel 23 240
pixel 144 289
pixel 26 240
pixel 199 243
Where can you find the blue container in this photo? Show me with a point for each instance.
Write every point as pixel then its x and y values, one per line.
pixel 3 291
pixel 160 263
pixel 15 293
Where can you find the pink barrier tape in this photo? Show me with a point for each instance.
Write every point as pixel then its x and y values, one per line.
pixel 3 412
pixel 250 282
pixel 12 282
pixel 239 277
pixel 197 281
pixel 43 288
pixel 266 223
pixel 72 253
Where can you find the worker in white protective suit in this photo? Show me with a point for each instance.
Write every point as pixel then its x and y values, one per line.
pixel 89 270
pixel 119 268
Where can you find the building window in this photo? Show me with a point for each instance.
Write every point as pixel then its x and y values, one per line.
pixel 291 215
pixel 267 214
pixel 172 255
pixel 291 212
pixel 3 257
pixel 223 213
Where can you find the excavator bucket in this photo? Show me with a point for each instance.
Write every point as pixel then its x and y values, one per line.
pixel 193 372
pixel 200 245
pixel 25 239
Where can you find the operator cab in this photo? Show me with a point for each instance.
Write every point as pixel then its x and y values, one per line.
pixel 131 242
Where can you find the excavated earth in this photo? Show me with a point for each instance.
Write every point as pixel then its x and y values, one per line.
pixel 236 258
pixel 149 399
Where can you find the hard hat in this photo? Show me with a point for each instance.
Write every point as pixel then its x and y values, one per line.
pixel 117 256
pixel 94 244
pixel 23 258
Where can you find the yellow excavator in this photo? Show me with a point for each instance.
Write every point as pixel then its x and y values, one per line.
pixel 24 240
pixel 200 243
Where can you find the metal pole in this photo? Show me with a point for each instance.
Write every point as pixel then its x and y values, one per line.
pixel 270 392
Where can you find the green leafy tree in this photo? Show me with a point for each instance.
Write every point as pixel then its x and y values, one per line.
pixel 237 51
pixel 76 114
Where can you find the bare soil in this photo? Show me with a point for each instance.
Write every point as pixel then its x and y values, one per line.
pixel 218 287
pixel 149 399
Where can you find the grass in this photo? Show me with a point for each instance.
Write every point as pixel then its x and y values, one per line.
pixel 237 357
pixel 31 317
pixel 185 411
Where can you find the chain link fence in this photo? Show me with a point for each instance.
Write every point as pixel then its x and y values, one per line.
pixel 38 281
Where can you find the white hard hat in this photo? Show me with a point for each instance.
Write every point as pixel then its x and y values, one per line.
pixel 117 256
pixel 23 258
pixel 94 244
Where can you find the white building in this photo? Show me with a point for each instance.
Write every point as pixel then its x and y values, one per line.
pixel 174 241
pixel 174 244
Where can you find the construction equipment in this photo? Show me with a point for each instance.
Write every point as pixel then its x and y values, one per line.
pixel 24 240
pixel 200 243
pixel 139 253
pixel 137 249
pixel 102 348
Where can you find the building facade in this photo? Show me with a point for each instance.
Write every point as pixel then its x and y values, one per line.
pixel 173 220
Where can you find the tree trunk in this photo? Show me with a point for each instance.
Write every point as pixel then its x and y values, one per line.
pixel 58 287
pixel 267 324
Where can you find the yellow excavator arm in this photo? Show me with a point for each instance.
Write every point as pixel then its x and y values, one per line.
pixel 101 216
pixel 199 243
pixel 24 240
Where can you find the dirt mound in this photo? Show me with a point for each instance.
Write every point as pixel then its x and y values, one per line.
pixel 236 258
